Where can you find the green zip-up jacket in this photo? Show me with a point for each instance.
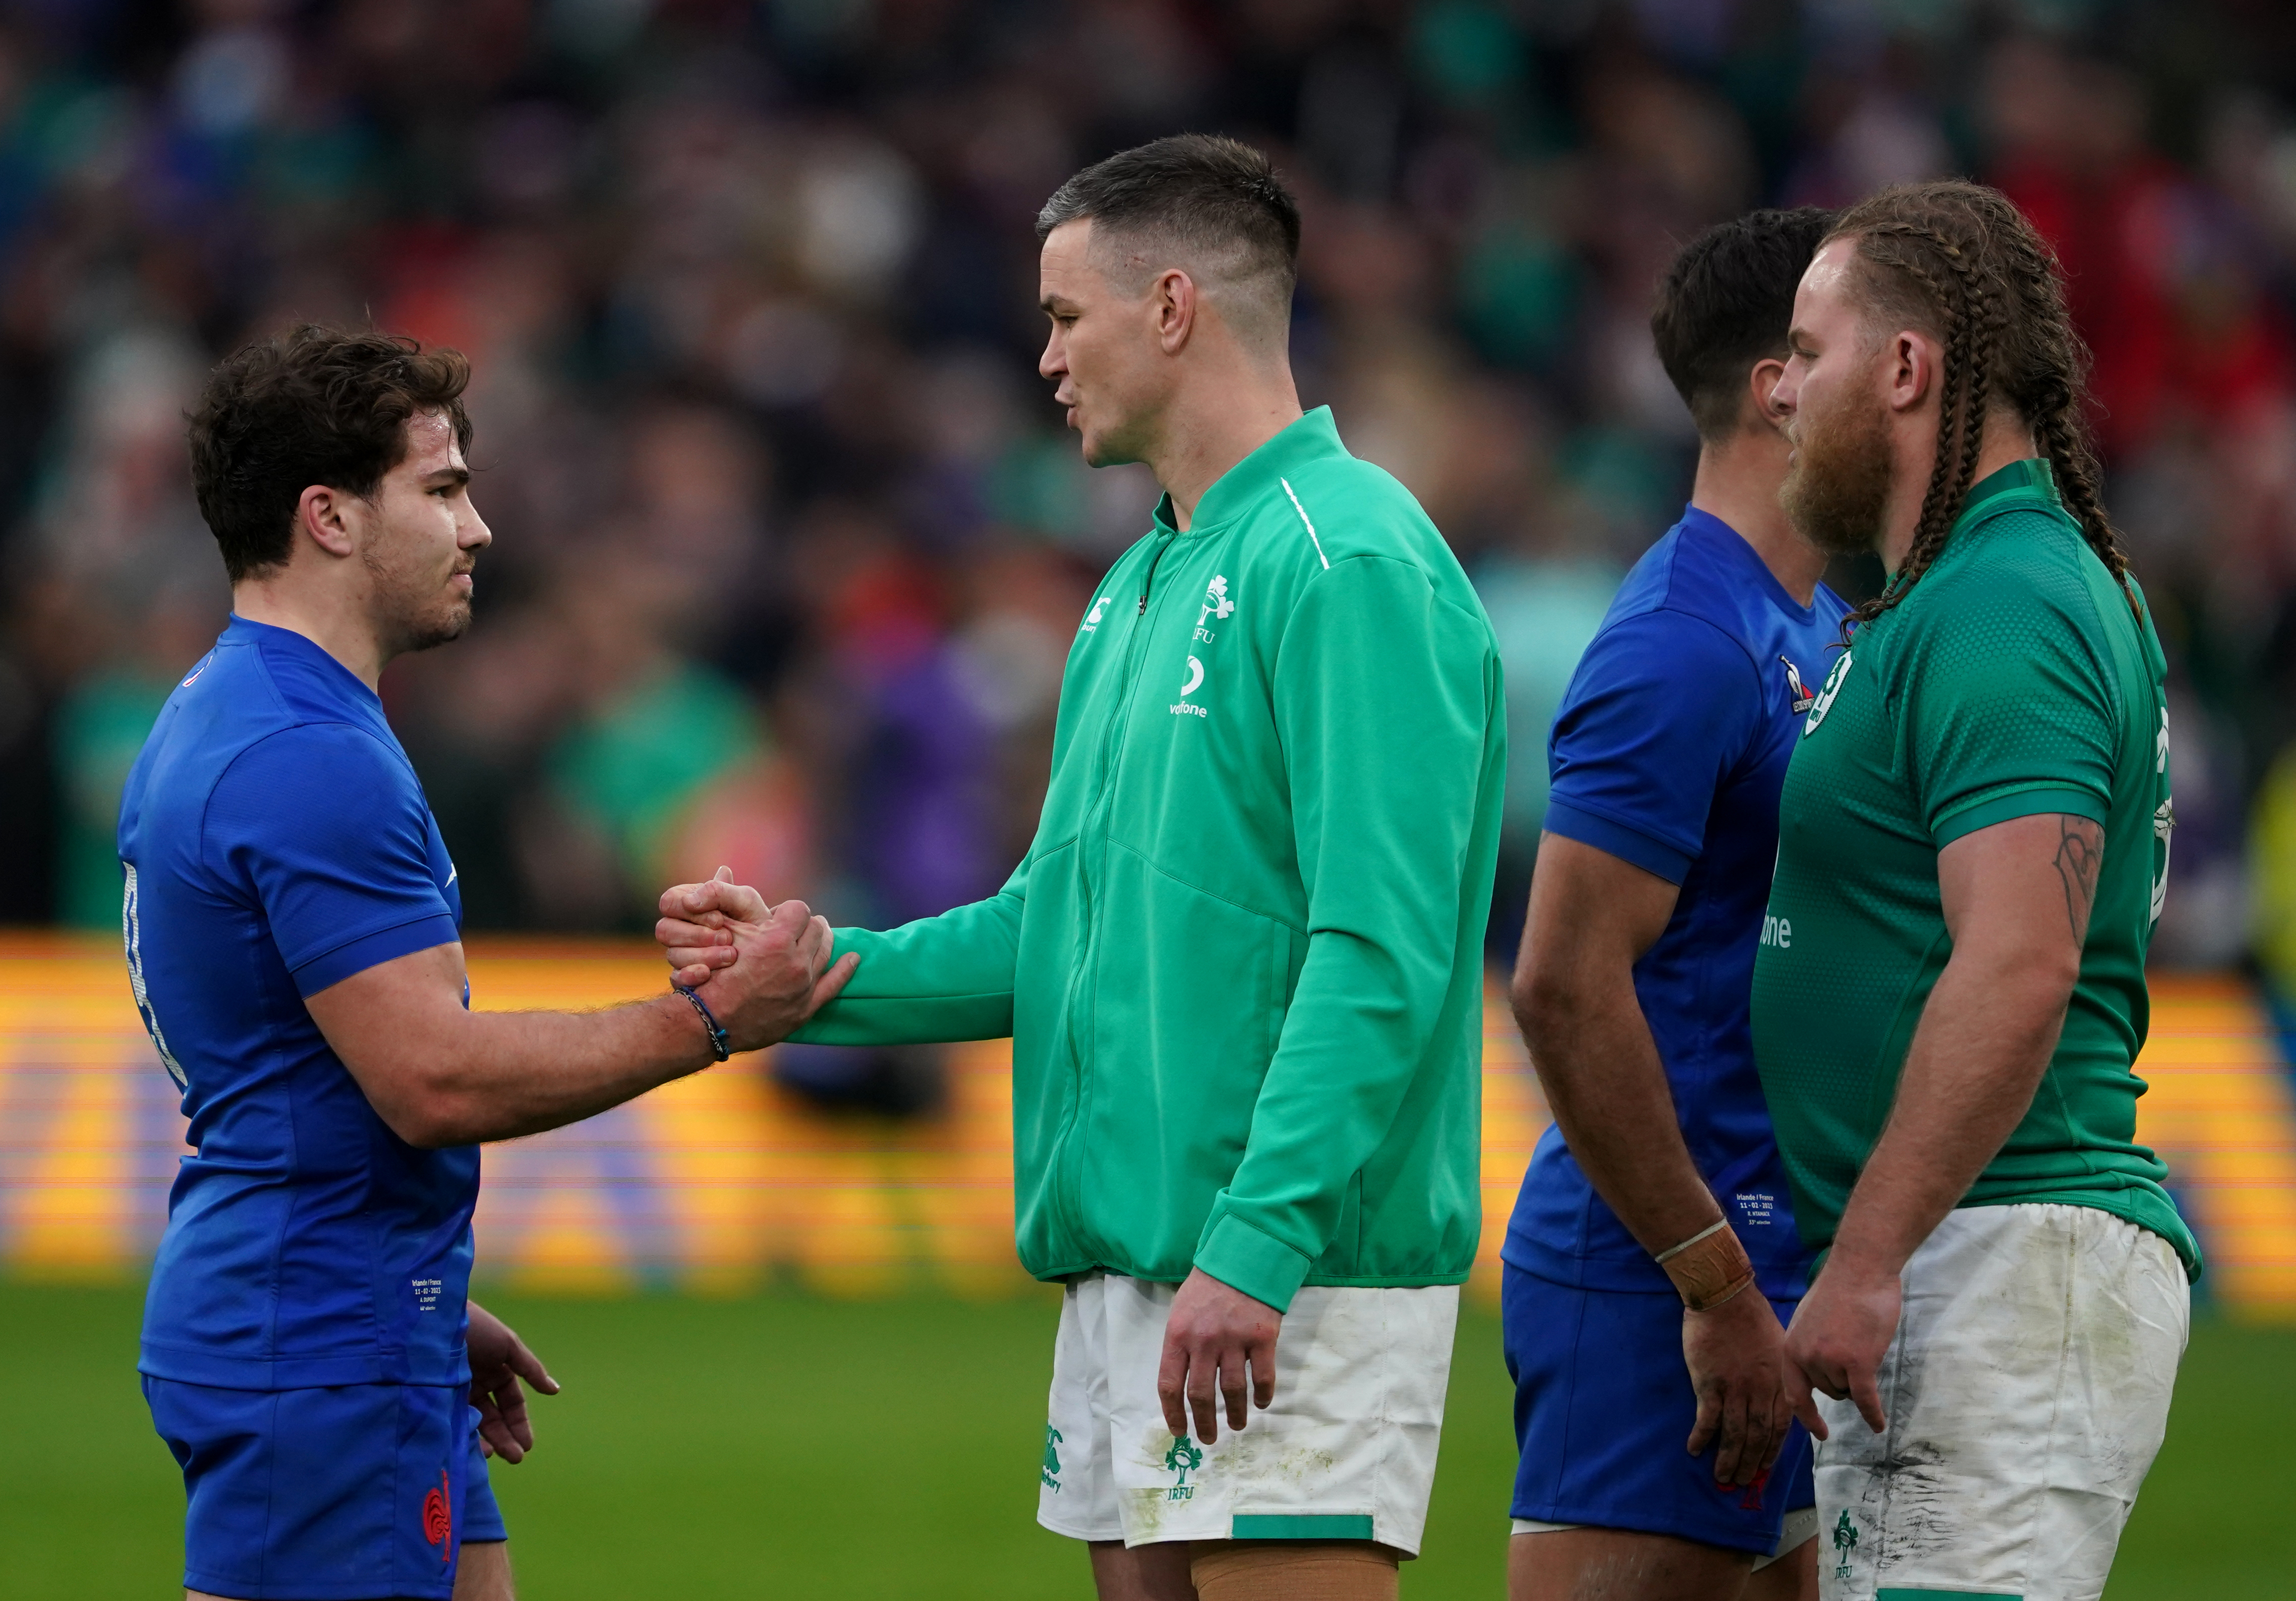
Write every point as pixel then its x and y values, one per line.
pixel 1241 962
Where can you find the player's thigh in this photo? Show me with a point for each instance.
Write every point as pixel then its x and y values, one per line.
pixel 1792 1577
pixel 1346 1451
pixel 1140 1574
pixel 483 1573
pixel 314 1491
pixel 1621 1564
pixel 2026 1390
pixel 1075 1493
pixel 1259 1570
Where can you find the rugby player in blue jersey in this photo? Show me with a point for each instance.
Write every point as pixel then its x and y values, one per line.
pixel 1651 1262
pixel 293 942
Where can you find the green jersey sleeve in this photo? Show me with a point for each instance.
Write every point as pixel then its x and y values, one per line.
pixel 943 978
pixel 1390 752
pixel 2009 709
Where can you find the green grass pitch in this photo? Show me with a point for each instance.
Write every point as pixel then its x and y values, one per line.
pixel 785 1447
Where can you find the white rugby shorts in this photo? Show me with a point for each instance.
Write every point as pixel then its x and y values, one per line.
pixel 2026 1391
pixel 1345 1452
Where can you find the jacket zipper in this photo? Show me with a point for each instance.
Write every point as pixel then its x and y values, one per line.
pixel 1064 1183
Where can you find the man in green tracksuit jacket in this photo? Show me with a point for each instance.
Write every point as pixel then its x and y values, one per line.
pixel 1241 962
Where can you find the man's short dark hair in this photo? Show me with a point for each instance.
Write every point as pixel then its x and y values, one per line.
pixel 1197 199
pixel 314 405
pixel 1725 303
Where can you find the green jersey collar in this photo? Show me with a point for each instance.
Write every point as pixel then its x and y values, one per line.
pixel 2033 476
pixel 1313 438
pixel 2032 482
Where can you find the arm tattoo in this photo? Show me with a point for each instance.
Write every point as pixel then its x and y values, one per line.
pixel 2080 851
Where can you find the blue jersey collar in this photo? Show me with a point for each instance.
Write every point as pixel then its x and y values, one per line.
pixel 270 637
pixel 1711 529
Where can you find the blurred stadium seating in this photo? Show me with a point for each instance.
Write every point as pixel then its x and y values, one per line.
pixel 726 1182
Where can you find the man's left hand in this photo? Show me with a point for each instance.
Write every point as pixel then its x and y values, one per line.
pixel 1841 1332
pixel 1214 1333
pixel 1736 1355
pixel 499 1358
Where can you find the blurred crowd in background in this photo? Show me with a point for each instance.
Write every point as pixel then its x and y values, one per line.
pixel 789 544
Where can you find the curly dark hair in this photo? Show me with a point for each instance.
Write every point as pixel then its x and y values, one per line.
pixel 1724 303
pixel 313 406
pixel 1959 262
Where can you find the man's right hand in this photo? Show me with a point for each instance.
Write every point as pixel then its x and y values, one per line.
pixel 761 970
pixel 1747 1389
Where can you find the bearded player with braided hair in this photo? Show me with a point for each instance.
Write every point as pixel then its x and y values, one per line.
pixel 1973 841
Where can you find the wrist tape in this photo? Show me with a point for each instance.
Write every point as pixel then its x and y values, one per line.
pixel 1708 1268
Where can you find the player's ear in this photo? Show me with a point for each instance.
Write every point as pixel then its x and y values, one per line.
pixel 1761 389
pixel 327 518
pixel 1174 303
pixel 1909 367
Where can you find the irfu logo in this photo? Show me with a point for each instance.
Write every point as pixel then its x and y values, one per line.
pixel 1824 702
pixel 1184 1458
pixel 1051 1472
pixel 1845 1542
pixel 1216 605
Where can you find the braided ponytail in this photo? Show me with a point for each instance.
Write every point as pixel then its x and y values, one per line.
pixel 1961 261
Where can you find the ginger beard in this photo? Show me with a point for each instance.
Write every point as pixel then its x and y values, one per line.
pixel 1837 489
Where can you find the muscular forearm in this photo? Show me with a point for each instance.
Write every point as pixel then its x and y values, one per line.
pixel 502 1075
pixel 440 1074
pixel 1984 1040
pixel 1593 917
pixel 1600 1068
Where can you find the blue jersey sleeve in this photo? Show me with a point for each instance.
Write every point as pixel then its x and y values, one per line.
pixel 1663 707
pixel 326 828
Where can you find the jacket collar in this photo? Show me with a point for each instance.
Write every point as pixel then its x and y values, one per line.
pixel 1313 438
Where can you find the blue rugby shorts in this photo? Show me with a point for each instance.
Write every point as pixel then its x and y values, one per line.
pixel 354 1492
pixel 1603 1409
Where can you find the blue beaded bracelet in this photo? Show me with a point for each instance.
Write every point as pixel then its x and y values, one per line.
pixel 717 1037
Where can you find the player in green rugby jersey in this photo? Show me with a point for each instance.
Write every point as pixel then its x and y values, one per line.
pixel 1973 840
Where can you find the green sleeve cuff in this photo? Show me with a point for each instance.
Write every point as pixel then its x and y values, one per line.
pixel 899 996
pixel 2017 803
pixel 1244 1258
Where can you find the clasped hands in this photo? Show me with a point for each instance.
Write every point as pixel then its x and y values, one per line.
pixel 761 970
